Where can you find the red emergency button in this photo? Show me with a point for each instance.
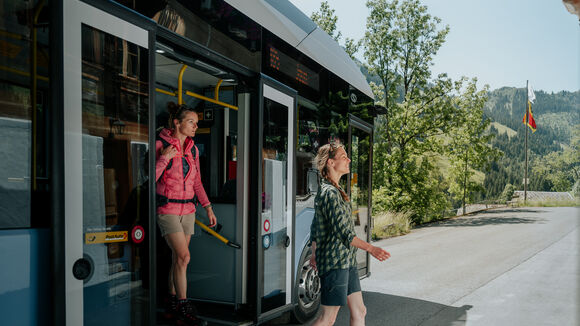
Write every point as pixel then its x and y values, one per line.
pixel 267 225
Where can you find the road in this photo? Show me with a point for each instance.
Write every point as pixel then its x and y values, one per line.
pixel 499 267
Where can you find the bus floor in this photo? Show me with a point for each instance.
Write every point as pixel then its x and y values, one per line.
pixel 214 314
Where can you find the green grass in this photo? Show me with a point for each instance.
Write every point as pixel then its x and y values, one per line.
pixel 389 224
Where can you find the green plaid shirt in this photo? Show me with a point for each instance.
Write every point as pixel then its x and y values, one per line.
pixel 333 230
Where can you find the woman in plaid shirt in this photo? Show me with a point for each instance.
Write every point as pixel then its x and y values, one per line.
pixel 334 242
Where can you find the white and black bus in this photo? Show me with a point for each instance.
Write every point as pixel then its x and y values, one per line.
pixel 84 85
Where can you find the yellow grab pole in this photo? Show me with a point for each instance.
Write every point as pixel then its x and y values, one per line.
pixel 211 100
pixel 215 234
pixel 180 85
pixel 217 90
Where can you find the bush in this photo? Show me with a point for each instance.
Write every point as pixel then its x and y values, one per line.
pixel 507 193
pixel 389 224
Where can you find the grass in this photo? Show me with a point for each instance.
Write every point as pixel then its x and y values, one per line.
pixel 550 203
pixel 389 224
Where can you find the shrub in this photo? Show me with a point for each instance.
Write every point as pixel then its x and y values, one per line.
pixel 389 224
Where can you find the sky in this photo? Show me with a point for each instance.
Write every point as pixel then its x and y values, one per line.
pixel 501 42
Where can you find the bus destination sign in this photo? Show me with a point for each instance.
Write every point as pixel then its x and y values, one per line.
pixel 293 69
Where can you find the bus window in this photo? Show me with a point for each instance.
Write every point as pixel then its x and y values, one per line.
pixel 23 168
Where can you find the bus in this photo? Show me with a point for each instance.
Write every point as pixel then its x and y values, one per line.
pixel 84 89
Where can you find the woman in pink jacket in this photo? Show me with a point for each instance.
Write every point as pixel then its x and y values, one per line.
pixel 178 182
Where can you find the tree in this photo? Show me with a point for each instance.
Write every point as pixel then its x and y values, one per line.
pixel 469 146
pixel 399 45
pixel 562 168
pixel 326 19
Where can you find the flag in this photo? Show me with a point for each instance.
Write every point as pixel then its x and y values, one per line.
pixel 529 118
pixel 531 95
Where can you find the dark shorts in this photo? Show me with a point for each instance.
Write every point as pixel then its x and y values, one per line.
pixel 337 284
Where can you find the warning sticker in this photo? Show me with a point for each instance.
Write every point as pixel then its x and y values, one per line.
pixel 106 237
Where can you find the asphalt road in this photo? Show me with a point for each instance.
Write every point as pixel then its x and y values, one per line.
pixel 499 267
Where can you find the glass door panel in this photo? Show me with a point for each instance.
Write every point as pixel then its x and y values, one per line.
pixel 106 82
pixel 277 197
pixel 115 170
pixel 360 154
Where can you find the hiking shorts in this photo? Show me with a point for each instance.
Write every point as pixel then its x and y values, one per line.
pixel 337 284
pixel 169 223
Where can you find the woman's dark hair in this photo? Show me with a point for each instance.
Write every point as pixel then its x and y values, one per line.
pixel 178 112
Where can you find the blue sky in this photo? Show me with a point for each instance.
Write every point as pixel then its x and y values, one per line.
pixel 501 42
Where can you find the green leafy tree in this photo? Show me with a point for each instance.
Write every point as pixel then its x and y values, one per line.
pixel 507 193
pixel 469 146
pixel 399 45
pixel 562 168
pixel 326 19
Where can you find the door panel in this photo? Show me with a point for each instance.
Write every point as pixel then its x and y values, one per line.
pixel 277 197
pixel 360 190
pixel 106 111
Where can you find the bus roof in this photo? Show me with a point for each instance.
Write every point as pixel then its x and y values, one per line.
pixel 291 25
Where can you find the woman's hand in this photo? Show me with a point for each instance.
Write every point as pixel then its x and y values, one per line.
pixel 211 215
pixel 313 256
pixel 313 261
pixel 169 152
pixel 379 253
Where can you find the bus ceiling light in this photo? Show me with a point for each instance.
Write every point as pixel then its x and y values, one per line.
pixel 162 48
pixel 209 68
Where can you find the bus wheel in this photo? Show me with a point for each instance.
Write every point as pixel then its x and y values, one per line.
pixel 307 289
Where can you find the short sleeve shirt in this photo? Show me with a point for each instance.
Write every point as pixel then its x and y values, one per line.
pixel 333 230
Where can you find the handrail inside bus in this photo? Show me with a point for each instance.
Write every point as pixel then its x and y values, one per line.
pixel 179 92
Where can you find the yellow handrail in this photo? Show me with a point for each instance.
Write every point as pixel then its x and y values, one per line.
pixel 205 98
pixel 179 92
pixel 217 90
pixel 179 85
pixel 165 92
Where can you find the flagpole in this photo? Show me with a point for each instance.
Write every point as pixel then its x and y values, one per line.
pixel 526 145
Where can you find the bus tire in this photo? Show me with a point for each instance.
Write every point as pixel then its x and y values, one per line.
pixel 307 289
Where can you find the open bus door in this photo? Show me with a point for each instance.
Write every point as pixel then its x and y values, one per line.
pixel 106 85
pixel 275 284
pixel 360 152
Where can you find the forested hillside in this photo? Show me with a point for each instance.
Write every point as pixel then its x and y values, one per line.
pixel 556 116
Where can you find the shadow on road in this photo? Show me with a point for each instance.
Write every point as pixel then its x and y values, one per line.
pixel 482 221
pixel 392 310
pixel 490 217
pixel 506 210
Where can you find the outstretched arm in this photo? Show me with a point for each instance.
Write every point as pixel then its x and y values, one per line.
pixel 379 253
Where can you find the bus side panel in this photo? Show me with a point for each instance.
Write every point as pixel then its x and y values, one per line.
pixel 303 221
pixel 24 277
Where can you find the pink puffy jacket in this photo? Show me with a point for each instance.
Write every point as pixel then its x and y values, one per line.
pixel 172 183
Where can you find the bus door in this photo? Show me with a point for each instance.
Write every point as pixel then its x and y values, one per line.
pixel 360 153
pixel 277 135
pixel 106 81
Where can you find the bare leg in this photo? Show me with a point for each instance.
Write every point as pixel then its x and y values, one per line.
pixel 357 309
pixel 328 316
pixel 179 244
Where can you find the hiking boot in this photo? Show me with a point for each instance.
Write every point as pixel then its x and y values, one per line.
pixel 186 315
pixel 170 304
